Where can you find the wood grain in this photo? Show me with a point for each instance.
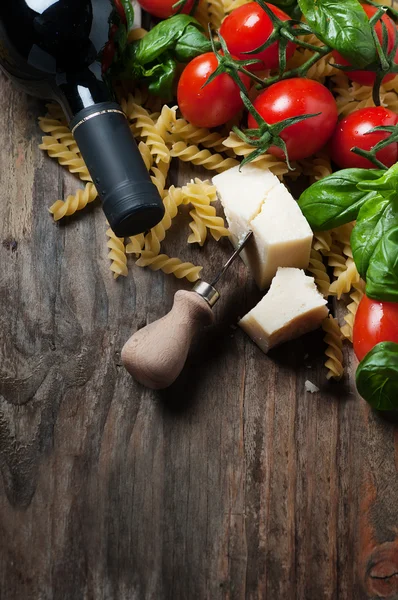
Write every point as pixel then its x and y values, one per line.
pixel 235 483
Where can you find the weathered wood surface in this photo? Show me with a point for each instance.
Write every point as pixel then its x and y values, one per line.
pixel 233 484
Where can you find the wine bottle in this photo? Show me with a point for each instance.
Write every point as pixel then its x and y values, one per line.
pixel 62 50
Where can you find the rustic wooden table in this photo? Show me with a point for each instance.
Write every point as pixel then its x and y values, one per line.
pixel 234 483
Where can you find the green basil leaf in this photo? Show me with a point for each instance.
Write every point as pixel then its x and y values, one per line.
pixel 376 217
pixel 387 182
pixel 377 376
pixel 382 274
pixel 192 43
pixel 162 84
pixel 344 26
pixel 162 38
pixel 290 7
pixel 336 200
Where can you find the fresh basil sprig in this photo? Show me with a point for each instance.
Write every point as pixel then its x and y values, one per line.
pixel 370 197
pixel 154 58
pixel 336 200
pixel 377 376
pixel 344 26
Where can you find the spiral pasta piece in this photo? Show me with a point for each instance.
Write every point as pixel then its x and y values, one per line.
pixel 117 254
pixel 159 176
pixel 166 121
pixel 198 228
pixel 60 132
pixel 65 157
pixel 146 128
pixel 342 234
pixel 334 350
pixel 345 280
pixel 192 154
pixel 356 296
pixel 74 202
pixel 136 244
pixel 171 201
pixel 146 154
pixel 317 167
pixel 183 131
pixel 317 268
pixel 216 13
pixel 169 265
pixel 267 161
pixel 202 14
pixel 336 259
pixel 351 96
pixel 322 241
pixel 200 195
pixel 229 6
pixel 136 34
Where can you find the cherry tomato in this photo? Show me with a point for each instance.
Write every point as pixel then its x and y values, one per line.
pixel 108 55
pixel 120 9
pixel 368 77
pixel 292 98
pixel 164 8
pixel 247 28
pixel 213 104
pixel 375 322
pixel 352 131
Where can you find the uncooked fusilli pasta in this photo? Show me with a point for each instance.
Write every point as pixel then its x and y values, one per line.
pixel 322 241
pixel 334 352
pixel 169 265
pixel 200 195
pixel 317 268
pixel 171 202
pixel 73 203
pixel 65 157
pixel 216 13
pixel 144 126
pixel 117 254
pixel 356 296
pixel 266 161
pixel 193 154
pixel 345 281
pixel 183 131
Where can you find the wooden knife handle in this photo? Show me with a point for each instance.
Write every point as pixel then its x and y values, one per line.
pixel 155 355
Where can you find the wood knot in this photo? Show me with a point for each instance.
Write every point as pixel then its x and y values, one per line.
pixel 10 244
pixel 382 571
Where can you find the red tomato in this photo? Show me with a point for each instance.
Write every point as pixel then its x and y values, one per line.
pixel 368 77
pixel 375 322
pixel 213 104
pixel 352 131
pixel 120 10
pixel 164 8
pixel 108 55
pixel 247 28
pixel 292 98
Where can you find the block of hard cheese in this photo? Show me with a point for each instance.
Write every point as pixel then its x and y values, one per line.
pixel 255 199
pixel 242 194
pixel 293 306
pixel 282 236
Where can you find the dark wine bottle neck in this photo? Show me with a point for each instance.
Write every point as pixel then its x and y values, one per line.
pixel 80 91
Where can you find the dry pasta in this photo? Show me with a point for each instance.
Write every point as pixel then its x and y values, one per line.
pixel 193 154
pixel 171 202
pixel 334 350
pixel 136 244
pixel 169 265
pixel 345 281
pixel 146 154
pixel 266 161
pixel 166 121
pixel 216 13
pixel 317 268
pixel 336 260
pixel 322 241
pixel 73 203
pixel 198 228
pixel 183 131
pixel 65 157
pixel 144 126
pixel 317 167
pixel 202 14
pixel 200 195
pixel 117 254
pixel 356 296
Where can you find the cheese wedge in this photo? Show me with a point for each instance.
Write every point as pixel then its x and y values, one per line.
pixel 255 199
pixel 242 194
pixel 293 306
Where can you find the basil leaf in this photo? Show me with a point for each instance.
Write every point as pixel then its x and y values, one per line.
pixel 382 274
pixel 191 44
pixel 388 182
pixel 162 84
pixel 162 37
pixel 344 26
pixel 290 7
pixel 377 376
pixel 336 200
pixel 376 217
